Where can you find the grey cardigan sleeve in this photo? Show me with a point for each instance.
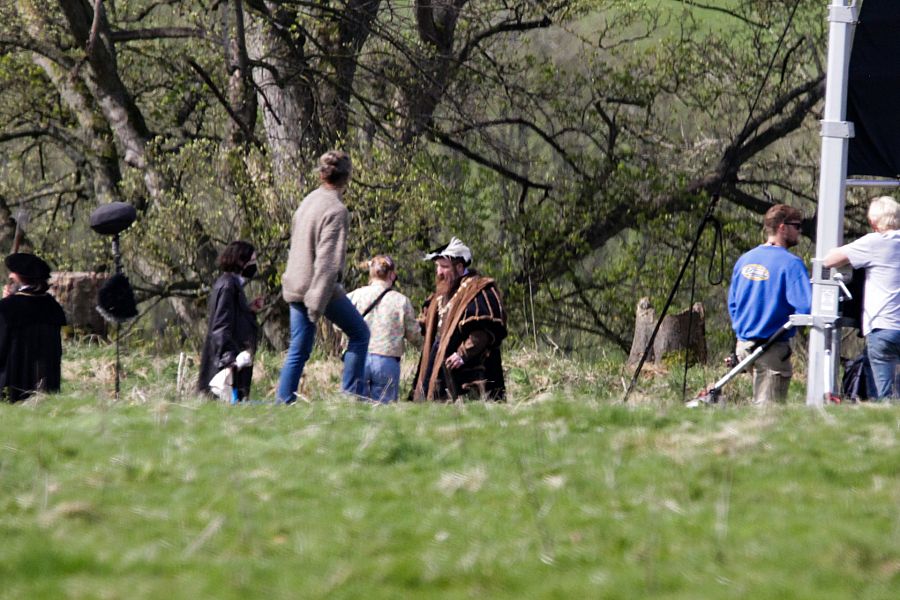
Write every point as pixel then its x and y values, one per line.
pixel 331 249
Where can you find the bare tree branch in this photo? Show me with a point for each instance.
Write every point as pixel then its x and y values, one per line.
pixel 205 78
pixel 23 133
pixel 156 33
pixel 505 27
pixel 725 11
pixel 530 125
pixel 95 27
pixel 481 160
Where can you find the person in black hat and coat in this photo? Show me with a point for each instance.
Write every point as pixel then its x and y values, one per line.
pixel 232 325
pixel 30 324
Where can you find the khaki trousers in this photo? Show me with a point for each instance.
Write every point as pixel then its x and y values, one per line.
pixel 771 372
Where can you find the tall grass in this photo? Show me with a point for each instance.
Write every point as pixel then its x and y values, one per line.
pixel 563 492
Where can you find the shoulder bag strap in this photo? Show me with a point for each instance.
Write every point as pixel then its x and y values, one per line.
pixel 376 301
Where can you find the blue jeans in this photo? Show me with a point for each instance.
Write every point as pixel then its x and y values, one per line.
pixel 382 379
pixel 883 348
pixel 342 313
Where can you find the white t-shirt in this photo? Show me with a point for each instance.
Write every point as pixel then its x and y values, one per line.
pixel 879 255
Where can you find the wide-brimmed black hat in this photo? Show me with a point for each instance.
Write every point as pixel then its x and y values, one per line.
pixel 28 266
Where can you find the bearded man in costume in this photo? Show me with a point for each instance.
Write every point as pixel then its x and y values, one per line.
pixel 464 324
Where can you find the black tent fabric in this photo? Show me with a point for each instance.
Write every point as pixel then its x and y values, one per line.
pixel 873 93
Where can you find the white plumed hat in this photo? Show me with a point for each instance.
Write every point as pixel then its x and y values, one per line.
pixel 455 249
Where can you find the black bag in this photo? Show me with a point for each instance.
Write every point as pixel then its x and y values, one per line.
pixel 853 308
pixel 853 383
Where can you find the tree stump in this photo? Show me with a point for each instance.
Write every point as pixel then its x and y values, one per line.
pixel 673 336
pixel 76 292
pixel 276 326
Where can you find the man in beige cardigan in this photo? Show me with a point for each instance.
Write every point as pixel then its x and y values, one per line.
pixel 311 283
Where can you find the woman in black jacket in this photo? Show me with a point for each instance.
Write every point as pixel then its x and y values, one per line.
pixel 232 320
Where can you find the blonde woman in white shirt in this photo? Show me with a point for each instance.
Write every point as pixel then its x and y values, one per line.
pixel 392 323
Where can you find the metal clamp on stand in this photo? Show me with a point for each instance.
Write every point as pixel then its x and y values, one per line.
pixel 829 284
pixel 828 290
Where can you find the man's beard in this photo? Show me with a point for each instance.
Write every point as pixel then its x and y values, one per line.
pixel 446 286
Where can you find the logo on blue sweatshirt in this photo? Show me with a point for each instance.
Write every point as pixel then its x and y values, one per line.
pixel 755 272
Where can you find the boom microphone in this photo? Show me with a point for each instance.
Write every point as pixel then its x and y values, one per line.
pixel 113 218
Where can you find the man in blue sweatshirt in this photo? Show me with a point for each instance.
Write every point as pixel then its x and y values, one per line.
pixel 768 285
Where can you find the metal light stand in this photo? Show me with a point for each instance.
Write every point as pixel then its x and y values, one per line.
pixel 117 259
pixel 836 132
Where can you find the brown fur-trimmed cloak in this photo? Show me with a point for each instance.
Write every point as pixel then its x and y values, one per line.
pixel 474 325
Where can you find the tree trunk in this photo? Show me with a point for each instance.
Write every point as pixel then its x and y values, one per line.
pixel 95 144
pixel 276 327
pixel 241 93
pixel 100 74
pixel 436 27
pixel 283 85
pixel 644 321
pixel 354 28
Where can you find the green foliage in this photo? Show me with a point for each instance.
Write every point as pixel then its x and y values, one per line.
pixel 574 145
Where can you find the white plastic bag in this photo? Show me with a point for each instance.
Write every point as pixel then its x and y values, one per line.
pixel 220 384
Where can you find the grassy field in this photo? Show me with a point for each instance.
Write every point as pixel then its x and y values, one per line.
pixel 564 492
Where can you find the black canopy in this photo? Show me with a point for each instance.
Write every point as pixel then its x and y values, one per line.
pixel 873 94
